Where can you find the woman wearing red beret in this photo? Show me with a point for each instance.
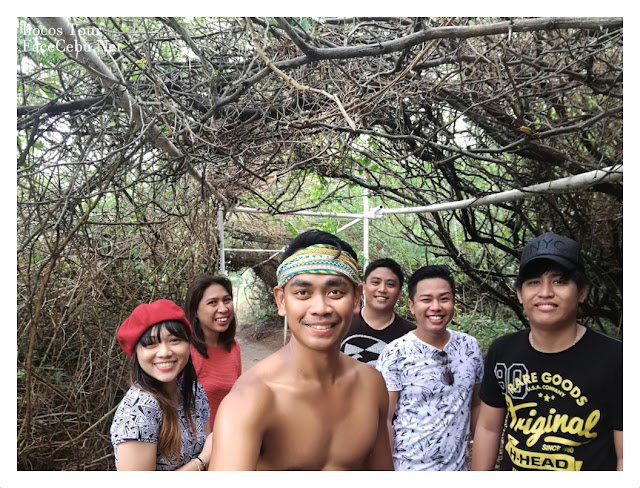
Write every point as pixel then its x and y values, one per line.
pixel 215 350
pixel 162 423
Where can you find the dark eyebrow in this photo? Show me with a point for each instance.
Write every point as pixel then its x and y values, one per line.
pixel 299 282
pixel 223 297
pixel 556 272
pixel 429 295
pixel 336 281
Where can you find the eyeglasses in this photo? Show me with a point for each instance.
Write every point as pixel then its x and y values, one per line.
pixel 443 360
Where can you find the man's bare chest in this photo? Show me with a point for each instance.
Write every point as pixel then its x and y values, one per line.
pixel 316 432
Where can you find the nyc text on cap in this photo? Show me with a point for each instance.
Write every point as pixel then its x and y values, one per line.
pixel 560 249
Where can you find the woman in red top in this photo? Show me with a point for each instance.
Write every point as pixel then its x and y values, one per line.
pixel 215 352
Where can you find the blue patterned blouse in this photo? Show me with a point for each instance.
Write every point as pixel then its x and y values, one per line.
pixel 139 418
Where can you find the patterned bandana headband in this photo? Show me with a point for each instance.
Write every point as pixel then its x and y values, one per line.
pixel 318 259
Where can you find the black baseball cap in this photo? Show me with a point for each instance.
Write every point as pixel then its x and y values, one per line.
pixel 559 249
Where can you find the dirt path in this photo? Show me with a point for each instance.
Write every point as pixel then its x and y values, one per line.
pixel 258 340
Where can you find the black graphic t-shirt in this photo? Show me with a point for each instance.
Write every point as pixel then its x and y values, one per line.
pixel 562 408
pixel 365 344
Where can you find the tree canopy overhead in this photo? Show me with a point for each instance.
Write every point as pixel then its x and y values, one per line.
pixel 133 131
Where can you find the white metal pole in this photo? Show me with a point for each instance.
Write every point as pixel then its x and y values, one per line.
pixel 612 173
pixel 284 340
pixel 223 270
pixel 307 213
pixel 253 250
pixel 346 226
pixel 365 231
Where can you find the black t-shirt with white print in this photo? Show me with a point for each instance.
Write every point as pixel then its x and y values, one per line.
pixel 365 344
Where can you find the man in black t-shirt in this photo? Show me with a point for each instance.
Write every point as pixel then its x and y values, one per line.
pixel 558 384
pixel 376 325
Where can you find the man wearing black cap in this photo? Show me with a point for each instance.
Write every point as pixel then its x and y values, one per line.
pixel 558 383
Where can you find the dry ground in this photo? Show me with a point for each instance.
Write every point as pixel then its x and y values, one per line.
pixel 259 339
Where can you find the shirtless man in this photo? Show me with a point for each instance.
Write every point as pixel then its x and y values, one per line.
pixel 302 407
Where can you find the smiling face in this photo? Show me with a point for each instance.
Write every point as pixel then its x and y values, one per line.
pixel 318 308
pixel 381 290
pixel 551 301
pixel 215 311
pixel 433 307
pixel 162 356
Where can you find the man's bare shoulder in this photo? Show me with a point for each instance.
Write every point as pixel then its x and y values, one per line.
pixel 258 380
pixel 364 372
pixel 250 403
pixel 245 415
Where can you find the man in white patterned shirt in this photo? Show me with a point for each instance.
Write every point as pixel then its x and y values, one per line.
pixel 432 375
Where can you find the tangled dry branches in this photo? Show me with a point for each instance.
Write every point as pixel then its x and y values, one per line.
pixel 126 153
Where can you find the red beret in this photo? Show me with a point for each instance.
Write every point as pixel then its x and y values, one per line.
pixel 145 316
